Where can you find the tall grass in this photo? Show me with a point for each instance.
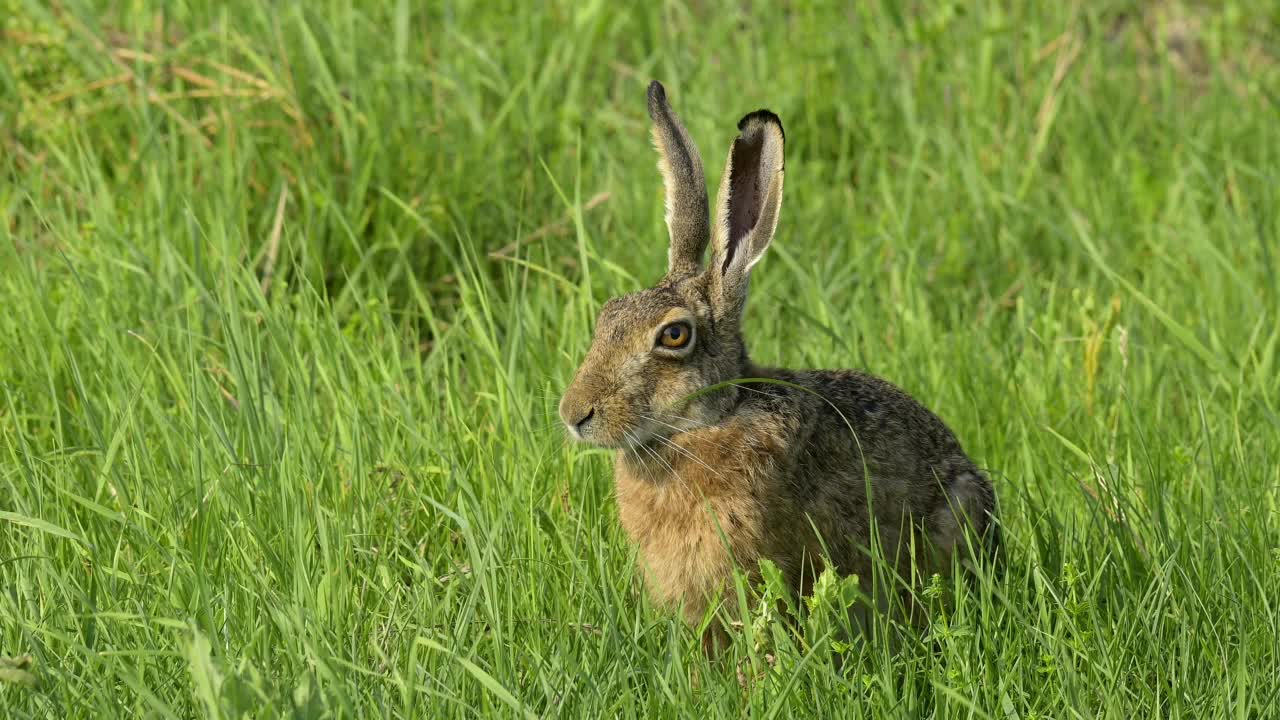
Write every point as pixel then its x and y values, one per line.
pixel 289 292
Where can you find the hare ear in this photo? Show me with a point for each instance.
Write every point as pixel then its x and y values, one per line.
pixel 685 184
pixel 748 205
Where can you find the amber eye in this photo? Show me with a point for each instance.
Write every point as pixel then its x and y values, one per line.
pixel 676 335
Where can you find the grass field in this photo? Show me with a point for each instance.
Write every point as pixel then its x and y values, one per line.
pixel 288 297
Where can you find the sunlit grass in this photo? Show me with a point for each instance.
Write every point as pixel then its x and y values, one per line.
pixel 345 492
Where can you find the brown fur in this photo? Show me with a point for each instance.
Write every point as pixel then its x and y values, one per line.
pixel 834 464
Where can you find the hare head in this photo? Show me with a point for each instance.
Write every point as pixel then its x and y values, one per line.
pixel 654 348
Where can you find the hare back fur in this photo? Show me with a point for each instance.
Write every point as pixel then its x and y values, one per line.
pixel 794 475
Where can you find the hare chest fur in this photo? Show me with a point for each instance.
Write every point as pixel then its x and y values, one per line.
pixel 693 509
pixel 806 468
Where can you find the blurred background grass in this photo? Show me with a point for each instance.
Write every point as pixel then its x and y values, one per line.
pixel 290 290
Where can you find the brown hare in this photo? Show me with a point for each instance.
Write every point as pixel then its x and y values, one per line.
pixel 816 466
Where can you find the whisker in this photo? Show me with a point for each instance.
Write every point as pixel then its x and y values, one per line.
pixel 635 441
pixel 655 455
pixel 696 426
pixel 555 428
pixel 686 453
pixel 665 424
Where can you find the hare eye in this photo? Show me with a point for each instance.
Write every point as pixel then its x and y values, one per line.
pixel 675 336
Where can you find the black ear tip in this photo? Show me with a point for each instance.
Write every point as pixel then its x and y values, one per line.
pixel 762 116
pixel 657 94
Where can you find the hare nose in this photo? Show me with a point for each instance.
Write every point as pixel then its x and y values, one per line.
pixel 582 423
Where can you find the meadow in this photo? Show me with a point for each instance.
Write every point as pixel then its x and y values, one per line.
pixel 289 292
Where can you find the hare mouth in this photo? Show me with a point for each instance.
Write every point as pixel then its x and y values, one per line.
pixel 633 438
pixel 639 436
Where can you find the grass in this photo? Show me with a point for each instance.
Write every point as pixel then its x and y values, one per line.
pixel 277 411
